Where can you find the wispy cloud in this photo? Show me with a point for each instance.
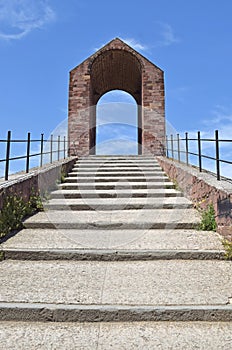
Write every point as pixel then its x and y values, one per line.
pixel 167 34
pixel 135 44
pixel 19 17
pixel 222 116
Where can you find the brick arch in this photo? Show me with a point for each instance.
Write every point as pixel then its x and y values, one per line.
pixel 116 67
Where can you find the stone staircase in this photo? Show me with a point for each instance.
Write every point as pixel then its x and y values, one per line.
pixel 115 252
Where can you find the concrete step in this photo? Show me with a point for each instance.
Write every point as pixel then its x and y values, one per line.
pixel 118 157
pixel 111 255
pixel 115 185
pixel 129 240
pixel 111 191
pixel 179 290
pixel 116 335
pixel 97 175
pixel 134 170
pixel 129 180
pixel 78 176
pixel 98 203
pixel 118 219
pixel 153 166
pixel 145 175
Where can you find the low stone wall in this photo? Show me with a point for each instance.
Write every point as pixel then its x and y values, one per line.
pixel 39 180
pixel 203 189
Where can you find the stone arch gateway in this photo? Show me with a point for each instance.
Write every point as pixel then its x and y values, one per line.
pixel 116 66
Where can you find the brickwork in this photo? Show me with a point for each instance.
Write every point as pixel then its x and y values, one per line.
pixel 203 189
pixel 116 67
pixel 40 181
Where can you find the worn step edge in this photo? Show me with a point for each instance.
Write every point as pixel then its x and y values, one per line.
pixel 119 171
pixel 111 226
pixel 118 166
pixel 97 193
pixel 112 313
pixel 111 255
pixel 88 179
pixel 119 206
pixel 134 184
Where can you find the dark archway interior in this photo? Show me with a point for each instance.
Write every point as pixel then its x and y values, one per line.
pixel 115 70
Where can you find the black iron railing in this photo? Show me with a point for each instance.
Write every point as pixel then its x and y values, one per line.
pixel 184 148
pixel 47 151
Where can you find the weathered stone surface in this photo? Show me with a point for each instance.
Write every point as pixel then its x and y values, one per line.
pixel 116 335
pixel 111 265
pixel 99 203
pixel 172 282
pixel 59 239
pixel 109 190
pixel 123 219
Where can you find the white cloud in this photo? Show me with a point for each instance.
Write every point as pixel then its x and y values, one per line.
pixel 167 35
pixel 19 17
pixel 135 44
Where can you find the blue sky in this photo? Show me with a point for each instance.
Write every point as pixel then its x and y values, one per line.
pixel 42 40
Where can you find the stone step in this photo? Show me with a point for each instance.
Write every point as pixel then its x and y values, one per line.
pixel 141 165
pixel 130 240
pixel 80 165
pixel 98 203
pixel 115 185
pixel 78 176
pixel 124 170
pixel 145 175
pixel 121 181
pixel 111 191
pixel 90 291
pixel 111 255
pixel 118 219
pixel 116 335
pixel 91 313
pixel 118 157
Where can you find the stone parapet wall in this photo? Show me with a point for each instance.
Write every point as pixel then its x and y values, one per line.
pixel 40 180
pixel 203 189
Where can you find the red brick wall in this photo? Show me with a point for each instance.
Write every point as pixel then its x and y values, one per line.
pixel 203 189
pixel 116 66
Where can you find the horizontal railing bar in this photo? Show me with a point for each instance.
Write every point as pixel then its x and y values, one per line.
pixel 181 153
pixel 24 141
pixel 206 140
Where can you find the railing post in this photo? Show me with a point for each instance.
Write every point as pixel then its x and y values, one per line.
pixel 172 148
pixel 51 148
pixel 58 140
pixel 41 149
pixel 217 155
pixel 186 148
pixel 7 155
pixel 178 146
pixel 28 152
pixel 64 147
pixel 199 151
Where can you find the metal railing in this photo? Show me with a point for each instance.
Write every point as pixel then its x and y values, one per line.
pixel 48 151
pixel 182 149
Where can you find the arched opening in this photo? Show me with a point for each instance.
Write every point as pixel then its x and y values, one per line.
pixel 115 70
pixel 117 124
